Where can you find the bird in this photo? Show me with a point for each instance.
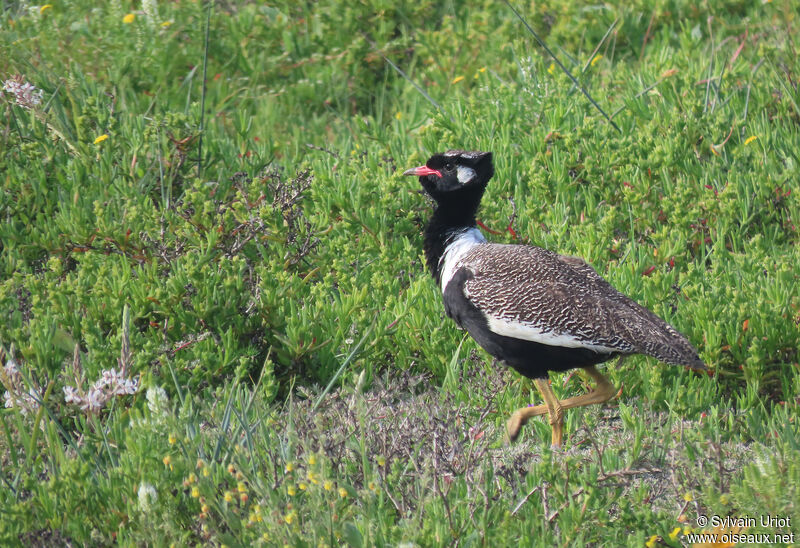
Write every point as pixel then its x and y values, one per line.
pixel 530 308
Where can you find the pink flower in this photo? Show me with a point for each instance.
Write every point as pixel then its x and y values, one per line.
pixel 24 93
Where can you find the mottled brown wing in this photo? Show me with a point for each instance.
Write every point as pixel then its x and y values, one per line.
pixel 554 299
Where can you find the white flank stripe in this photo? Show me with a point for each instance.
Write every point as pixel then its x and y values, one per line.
pixel 463 242
pixel 464 174
pixel 529 333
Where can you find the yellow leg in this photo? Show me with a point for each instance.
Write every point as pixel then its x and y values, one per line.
pixel 603 392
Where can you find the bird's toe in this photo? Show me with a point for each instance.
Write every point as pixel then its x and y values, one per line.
pixel 513 427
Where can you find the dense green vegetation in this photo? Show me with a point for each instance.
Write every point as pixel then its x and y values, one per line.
pixel 242 251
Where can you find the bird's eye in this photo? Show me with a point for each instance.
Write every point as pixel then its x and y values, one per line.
pixel 448 166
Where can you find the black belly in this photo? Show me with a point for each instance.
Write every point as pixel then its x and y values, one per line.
pixel 529 358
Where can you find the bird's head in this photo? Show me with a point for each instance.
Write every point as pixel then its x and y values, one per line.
pixel 452 174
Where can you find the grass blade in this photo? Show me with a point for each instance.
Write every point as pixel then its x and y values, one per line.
pixel 203 93
pixel 599 45
pixel 345 363
pixel 561 65
pixel 399 71
pixel 749 87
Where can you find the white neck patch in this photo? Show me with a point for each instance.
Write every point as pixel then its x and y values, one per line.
pixel 455 250
pixel 465 174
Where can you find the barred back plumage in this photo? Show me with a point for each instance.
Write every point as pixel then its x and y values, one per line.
pixel 564 296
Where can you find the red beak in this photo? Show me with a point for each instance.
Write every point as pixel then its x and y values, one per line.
pixel 422 171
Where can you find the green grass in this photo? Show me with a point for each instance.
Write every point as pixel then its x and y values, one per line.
pixel 298 381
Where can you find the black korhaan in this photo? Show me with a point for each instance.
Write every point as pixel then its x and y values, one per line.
pixel 532 309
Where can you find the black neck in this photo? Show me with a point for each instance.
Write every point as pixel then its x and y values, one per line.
pixel 456 214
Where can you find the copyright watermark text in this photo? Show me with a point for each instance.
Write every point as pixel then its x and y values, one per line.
pixel 733 530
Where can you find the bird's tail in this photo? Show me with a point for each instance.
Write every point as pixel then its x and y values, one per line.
pixel 672 347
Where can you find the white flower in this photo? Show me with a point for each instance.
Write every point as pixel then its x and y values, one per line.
pixel 147 496
pixel 150 9
pixel 94 401
pixel 26 403
pixel 157 400
pixel 15 396
pixel 117 384
pixel 71 395
pixel 109 377
pixel 131 386
pixel 11 368
pixel 25 94
pixel 111 383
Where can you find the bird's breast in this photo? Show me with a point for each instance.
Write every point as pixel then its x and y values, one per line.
pixel 457 246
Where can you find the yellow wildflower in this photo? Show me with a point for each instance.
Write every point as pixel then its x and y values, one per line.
pixel 303 486
pixel 552 68
pixel 195 492
pixel 457 79
pixel 688 497
pixel 128 19
pixel 205 508
pixel 291 490
pixel 652 541
pixel 206 472
pixel 381 461
pixel 596 59
pixel 172 439
pixel 289 467
pixel 166 24
pixel 328 485
pixel 674 534
pixel 399 116
pixel 343 492
pixel 45 7
pixel 101 138
pixel 228 496
pixel 167 460
pixel 241 487
pixel 750 139
pixel 312 460
pixel 289 518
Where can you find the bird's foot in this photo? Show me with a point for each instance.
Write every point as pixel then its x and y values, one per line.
pixel 519 418
pixel 513 427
